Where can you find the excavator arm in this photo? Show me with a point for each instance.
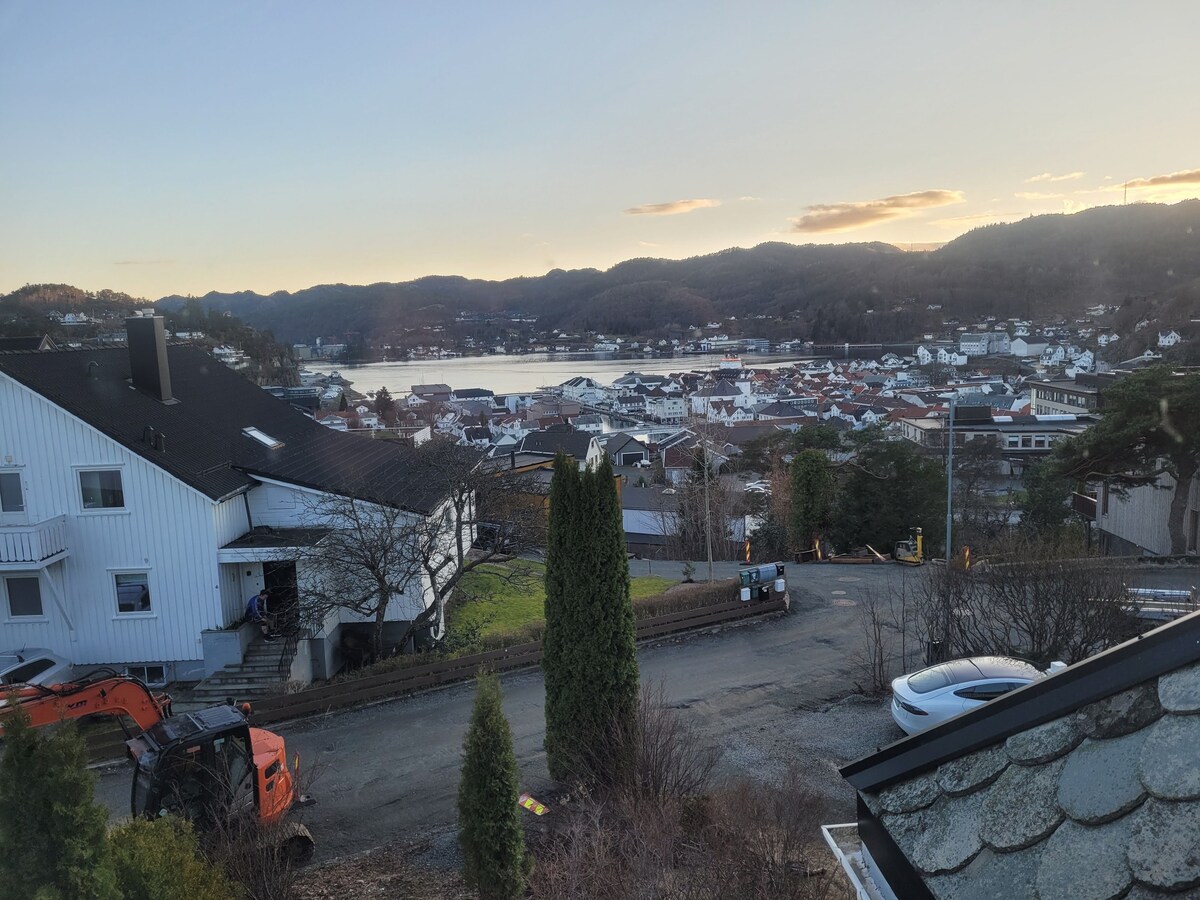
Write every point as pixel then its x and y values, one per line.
pixel 112 695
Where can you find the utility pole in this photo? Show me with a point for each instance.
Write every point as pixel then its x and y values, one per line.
pixel 707 513
pixel 949 479
pixel 948 615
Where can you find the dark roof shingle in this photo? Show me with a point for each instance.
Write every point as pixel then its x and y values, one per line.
pixel 203 443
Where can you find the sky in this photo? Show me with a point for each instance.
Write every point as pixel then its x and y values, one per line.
pixel 160 148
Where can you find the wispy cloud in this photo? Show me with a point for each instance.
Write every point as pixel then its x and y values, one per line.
pixel 674 208
pixel 749 199
pixel 827 217
pixel 648 244
pixel 143 262
pixel 1187 176
pixel 1049 176
pixel 1037 195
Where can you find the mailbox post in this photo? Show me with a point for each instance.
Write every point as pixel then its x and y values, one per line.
pixel 757 582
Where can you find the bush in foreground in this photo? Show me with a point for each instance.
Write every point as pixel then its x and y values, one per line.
pixel 161 858
pixel 489 828
pixel 52 832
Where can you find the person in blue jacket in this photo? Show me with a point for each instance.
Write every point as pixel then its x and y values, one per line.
pixel 256 611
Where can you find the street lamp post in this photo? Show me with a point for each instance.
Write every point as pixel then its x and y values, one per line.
pixel 946 624
pixel 949 480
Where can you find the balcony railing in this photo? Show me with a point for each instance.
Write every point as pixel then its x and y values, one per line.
pixel 1084 504
pixel 32 545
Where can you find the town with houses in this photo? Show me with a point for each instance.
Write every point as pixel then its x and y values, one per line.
pixel 554 452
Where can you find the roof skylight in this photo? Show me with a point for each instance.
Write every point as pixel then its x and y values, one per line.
pixel 262 437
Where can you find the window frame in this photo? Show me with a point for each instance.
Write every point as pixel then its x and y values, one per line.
pixel 9 617
pixel 86 510
pixel 151 613
pixel 21 516
pixel 43 663
pixel 142 671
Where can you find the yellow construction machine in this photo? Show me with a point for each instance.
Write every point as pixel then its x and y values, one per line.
pixel 912 551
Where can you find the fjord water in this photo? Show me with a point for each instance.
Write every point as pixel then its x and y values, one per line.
pixel 523 373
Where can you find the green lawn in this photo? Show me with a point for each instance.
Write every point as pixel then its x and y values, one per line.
pixel 496 604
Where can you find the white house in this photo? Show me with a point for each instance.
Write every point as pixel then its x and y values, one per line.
pixel 584 390
pixel 1169 338
pixel 148 493
pixel 1024 347
pixel 671 408
pixel 723 391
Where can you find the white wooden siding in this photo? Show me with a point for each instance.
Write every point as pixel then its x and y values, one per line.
pixel 166 529
pixel 229 519
pixel 280 506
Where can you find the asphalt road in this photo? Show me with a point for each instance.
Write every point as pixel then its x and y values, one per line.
pixel 760 692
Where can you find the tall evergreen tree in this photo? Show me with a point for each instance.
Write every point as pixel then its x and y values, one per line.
pixel 53 844
pixel 489 828
pixel 813 493
pixel 590 652
pixel 560 642
pixel 890 490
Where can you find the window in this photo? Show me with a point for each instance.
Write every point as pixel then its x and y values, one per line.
pixel 1026 441
pixel 262 437
pixel 24 595
pixel 133 592
pixel 12 498
pixel 1014 441
pixel 26 673
pixel 101 489
pixel 989 691
pixel 1039 441
pixel 153 676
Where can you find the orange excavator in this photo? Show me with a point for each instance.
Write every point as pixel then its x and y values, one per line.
pixel 209 767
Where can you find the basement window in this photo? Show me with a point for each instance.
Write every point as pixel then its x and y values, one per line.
pixel 151 676
pixel 262 437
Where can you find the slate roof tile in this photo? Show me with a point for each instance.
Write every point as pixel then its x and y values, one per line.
pixel 1085 863
pixel 1046 742
pixel 1179 691
pixel 1169 764
pixel 1125 712
pixel 1099 782
pixel 1164 847
pixel 1020 809
pixel 969 773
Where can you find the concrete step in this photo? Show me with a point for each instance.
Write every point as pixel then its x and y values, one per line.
pixel 224 684
pixel 219 697
pixel 265 666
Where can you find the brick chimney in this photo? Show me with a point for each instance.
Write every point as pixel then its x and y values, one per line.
pixel 147 337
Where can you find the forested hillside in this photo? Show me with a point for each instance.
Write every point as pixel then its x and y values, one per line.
pixel 1045 264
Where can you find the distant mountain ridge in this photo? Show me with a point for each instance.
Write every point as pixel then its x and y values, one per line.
pixel 1042 265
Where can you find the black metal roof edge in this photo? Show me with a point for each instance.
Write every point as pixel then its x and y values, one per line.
pixel 903 880
pixel 336 491
pixel 1147 656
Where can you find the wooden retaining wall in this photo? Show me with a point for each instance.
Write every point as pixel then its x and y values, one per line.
pixel 110 744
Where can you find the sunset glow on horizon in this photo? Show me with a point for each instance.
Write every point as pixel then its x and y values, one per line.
pixel 160 149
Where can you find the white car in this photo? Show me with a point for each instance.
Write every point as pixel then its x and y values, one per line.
pixel 33 665
pixel 937 693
